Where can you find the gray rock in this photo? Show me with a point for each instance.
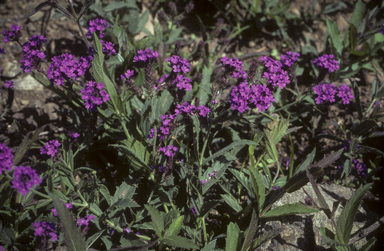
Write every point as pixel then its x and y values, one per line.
pixel 37 16
pixel 50 109
pixel 27 83
pixel 31 27
pixel 302 232
pixel 11 69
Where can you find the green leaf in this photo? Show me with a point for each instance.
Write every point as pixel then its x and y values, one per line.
pixel 320 197
pixel 243 180
pixel 289 209
pixel 232 241
pixel 73 237
pixel 107 240
pixel 358 13
pixel 258 186
pixel 328 160
pixel 364 127
pixel 105 192
pixel 203 89
pixel 174 35
pixel 180 242
pixel 118 5
pixel 352 31
pixel 162 104
pixel 157 220
pixel 306 162
pixel 260 240
pixel 136 152
pixel 26 144
pixel 251 231
pixel 209 246
pixel 345 221
pixel 207 207
pixel 278 129
pixel 231 201
pixel 227 148
pixel 142 21
pixel 92 239
pixel 101 74
pixel 144 43
pixel 174 228
pixel 335 35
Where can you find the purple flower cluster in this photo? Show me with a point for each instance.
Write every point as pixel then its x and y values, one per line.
pixel 242 96
pixel 46 229
pixel 8 84
pixel 188 109
pixel 108 47
pixel 128 74
pixel 161 169
pixel 145 56
pixel 274 73
pixel 382 30
pixel 50 148
pixel 6 158
pixel 12 35
pixel 183 83
pixel 166 125
pixel 169 151
pixel 290 58
pixel 93 95
pixel 67 205
pixel 211 175
pixel 73 134
pixel 328 91
pixel 24 179
pixel 327 62
pixel 96 25
pixel 66 67
pixel 2 249
pixel 360 168
pixel 234 68
pixel 32 55
pixel 178 64
pixel 85 221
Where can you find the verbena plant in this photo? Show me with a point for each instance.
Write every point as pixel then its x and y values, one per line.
pixel 156 156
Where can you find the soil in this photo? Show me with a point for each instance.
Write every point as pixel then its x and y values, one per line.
pixel 27 110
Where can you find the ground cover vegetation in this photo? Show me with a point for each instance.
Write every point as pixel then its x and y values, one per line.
pixel 180 140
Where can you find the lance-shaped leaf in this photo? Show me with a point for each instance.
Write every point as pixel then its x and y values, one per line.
pixel 327 160
pixel 232 241
pixel 175 226
pixel 101 74
pixel 231 201
pixel 306 162
pixel 364 127
pixel 251 231
pixel 345 221
pixel 258 186
pixel 289 209
pixel 320 197
pixel 73 237
pixel 157 220
pixel 335 35
pixel 26 144
pixel 142 247
pixel 260 240
pixel 278 129
pixel 180 242
pixel 207 207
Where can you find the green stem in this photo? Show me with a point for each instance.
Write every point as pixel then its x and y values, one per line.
pixel 78 23
pixel 124 127
pixel 40 194
pixel 369 108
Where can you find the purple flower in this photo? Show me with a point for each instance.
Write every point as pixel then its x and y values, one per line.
pixel 164 129
pixel 274 73
pixel 12 35
pixel 24 179
pixel 128 74
pixel 50 148
pixel 9 84
pixel 73 135
pixel 185 107
pixel 203 110
pixel 65 67
pixel 145 56
pixel 108 48
pixel 345 93
pixel 239 97
pixel 96 25
pixel 6 158
pixel 327 62
pixel 169 151
pixel 85 221
pixel 360 168
pixel 275 188
pixel 178 64
pixel 126 230
pixel 161 169
pixel 325 91
pixel 290 58
pixel 234 68
pixel 32 55
pixel 382 30
pixel 193 210
pixel 2 51
pixel 2 249
pixel 67 205
pixel 183 83
pixel 261 97
pixel 46 229
pixel 93 95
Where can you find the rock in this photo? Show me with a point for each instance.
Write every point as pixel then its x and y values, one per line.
pixel 24 102
pixel 302 232
pixel 31 28
pixel 251 44
pixel 37 16
pixel 11 69
pixel 50 109
pixel 27 83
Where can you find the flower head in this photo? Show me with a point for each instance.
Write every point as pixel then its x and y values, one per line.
pixel 327 62
pixel 178 64
pixel 12 35
pixel 290 58
pixel 169 151
pixel 274 73
pixel 234 68
pixel 325 91
pixel 345 93
pixel 6 158
pixel 24 179
pixel 67 205
pixel 46 229
pixel 85 221
pixel 128 74
pixel 145 56
pixel 9 84
pixel 32 55
pixel 50 148
pixel 97 25
pixel 94 94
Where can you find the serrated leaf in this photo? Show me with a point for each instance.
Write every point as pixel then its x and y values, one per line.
pixel 278 129
pixel 174 228
pixel 26 144
pixel 228 148
pixel 243 180
pixel 345 221
pixel 207 207
pixel 174 35
pixel 143 43
pixel 288 209
pixel 306 162
pixel 352 31
pixel 328 160
pixel 105 192
pixel 162 103
pixel 260 240
pixel 232 241
pixel 101 75
pixel 320 197
pixel 358 13
pixel 258 186
pixel 73 237
pixel 203 89
pixel 231 201
pixel 335 36
pixel 157 220
pixel 118 5
pixel 92 239
pixel 209 246
pixel 180 242
pixel 107 240
pixel 251 231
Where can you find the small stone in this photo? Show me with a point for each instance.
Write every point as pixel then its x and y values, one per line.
pixel 31 28
pixel 37 16
pixel 27 83
pixel 11 69
pixel 38 104
pixel 24 102
pixel 251 44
